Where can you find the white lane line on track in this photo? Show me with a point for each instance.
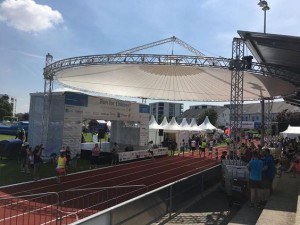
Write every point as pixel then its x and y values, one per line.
pixel 120 169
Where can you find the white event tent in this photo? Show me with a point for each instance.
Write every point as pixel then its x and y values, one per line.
pixel 176 131
pixel 206 125
pixel 291 132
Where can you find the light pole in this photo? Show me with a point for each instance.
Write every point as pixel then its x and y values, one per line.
pixel 264 6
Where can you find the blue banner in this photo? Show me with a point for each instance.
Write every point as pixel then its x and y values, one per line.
pixel 76 99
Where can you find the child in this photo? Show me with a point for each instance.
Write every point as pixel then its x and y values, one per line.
pixel 61 165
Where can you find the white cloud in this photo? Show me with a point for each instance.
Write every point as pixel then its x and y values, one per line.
pixel 27 15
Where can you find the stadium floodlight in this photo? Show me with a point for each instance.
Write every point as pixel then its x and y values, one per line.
pixel 264 6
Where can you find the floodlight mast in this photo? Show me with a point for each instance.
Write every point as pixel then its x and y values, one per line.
pixel 161 42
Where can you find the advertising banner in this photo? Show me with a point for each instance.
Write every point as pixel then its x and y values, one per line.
pixel 142 154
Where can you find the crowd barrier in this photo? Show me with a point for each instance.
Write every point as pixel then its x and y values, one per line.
pixel 165 202
pixel 64 207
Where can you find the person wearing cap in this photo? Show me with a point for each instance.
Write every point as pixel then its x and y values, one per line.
pixel 61 165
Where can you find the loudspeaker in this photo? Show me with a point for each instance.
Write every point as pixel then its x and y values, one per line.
pixel 160 132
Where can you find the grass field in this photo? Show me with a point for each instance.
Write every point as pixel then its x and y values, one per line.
pixel 10 172
pixel 6 137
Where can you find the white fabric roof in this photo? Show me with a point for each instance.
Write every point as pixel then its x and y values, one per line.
pixel 153 125
pixel 164 123
pixel 206 125
pixel 185 125
pixel 291 132
pixel 169 82
pixel 173 125
pixel 194 126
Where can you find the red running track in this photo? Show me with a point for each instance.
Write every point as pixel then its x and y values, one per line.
pixel 86 193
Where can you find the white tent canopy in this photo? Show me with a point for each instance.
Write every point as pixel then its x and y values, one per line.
pixel 153 125
pixel 291 132
pixel 164 123
pixel 194 126
pixel 206 125
pixel 185 83
pixel 185 125
pixel 173 126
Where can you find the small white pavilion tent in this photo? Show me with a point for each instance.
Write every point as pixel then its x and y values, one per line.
pixel 185 133
pixel 153 125
pixel 206 125
pixel 185 125
pixel 291 132
pixel 154 128
pixel 172 126
pixel 194 126
pixel 164 123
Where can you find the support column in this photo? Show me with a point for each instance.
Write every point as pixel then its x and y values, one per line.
pixel 236 95
pixel 48 87
pixel 262 127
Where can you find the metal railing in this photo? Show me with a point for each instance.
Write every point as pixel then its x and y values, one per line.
pixel 159 205
pixel 64 207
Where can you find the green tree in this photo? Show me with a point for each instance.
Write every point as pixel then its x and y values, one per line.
pixel 5 108
pixel 23 116
pixel 212 116
pixel 286 118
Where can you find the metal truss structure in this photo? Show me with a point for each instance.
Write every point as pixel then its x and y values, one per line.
pixel 153 59
pixel 236 95
pixel 268 116
pixel 48 87
pixel 164 41
pixel 237 64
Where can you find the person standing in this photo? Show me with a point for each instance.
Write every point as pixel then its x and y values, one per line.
pixel 24 158
pixel 68 156
pixel 193 145
pixel 37 160
pixel 255 167
pixel 268 174
pixel 95 156
pixel 173 147
pixel 203 147
pixel 210 148
pixel 61 165
pixel 114 153
pixel 182 147
pixel 30 161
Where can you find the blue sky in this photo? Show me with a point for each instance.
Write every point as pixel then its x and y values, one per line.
pixel 30 29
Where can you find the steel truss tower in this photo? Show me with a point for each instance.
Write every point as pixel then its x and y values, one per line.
pixel 48 87
pixel 236 96
pixel 269 106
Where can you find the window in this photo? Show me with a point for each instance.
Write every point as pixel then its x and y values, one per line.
pixel 171 110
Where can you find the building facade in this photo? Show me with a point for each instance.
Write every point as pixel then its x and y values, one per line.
pixel 168 109
pixel 251 113
pixel 197 110
pixel 12 101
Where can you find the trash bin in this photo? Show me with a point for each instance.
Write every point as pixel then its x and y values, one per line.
pixel 10 148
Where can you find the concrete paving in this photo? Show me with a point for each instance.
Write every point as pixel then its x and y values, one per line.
pixel 212 209
pixel 280 209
